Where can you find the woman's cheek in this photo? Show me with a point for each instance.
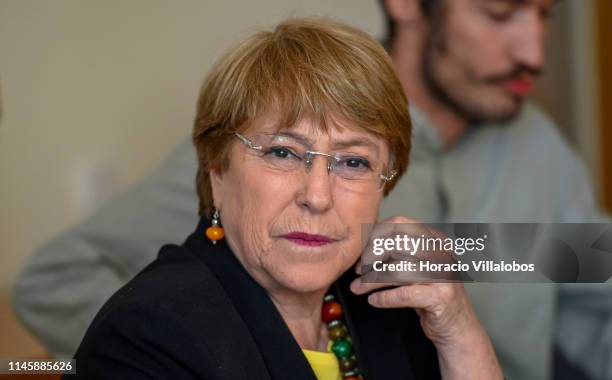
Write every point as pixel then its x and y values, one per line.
pixel 362 216
pixel 256 211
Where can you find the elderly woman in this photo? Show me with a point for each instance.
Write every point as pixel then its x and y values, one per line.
pixel 299 133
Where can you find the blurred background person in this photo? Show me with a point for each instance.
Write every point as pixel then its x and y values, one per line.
pixel 107 257
pixel 482 154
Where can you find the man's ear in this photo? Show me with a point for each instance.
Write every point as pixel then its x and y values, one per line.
pixel 402 11
pixel 216 183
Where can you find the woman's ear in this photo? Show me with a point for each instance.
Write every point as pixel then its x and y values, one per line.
pixel 216 184
pixel 402 11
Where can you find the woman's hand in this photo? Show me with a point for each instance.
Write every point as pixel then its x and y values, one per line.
pixel 444 309
pixel 446 314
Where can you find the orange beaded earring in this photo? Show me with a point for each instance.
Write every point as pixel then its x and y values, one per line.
pixel 215 232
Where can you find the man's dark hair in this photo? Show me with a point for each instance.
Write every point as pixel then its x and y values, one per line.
pixel 427 7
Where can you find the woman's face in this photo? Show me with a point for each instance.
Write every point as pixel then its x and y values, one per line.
pixel 296 230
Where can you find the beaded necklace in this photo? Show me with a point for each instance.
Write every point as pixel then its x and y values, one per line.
pixel 342 344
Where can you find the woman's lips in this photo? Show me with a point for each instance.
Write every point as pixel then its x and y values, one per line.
pixel 308 240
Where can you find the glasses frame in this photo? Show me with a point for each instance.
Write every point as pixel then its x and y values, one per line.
pixel 309 158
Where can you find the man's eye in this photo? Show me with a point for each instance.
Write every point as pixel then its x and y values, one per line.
pixel 500 16
pixel 545 13
pixel 499 10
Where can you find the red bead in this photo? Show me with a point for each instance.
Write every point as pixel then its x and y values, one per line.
pixel 331 311
pixel 351 378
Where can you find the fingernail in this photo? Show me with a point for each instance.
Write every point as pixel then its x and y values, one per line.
pixel 355 285
pixel 371 299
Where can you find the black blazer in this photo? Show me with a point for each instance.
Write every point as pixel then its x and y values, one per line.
pixel 195 313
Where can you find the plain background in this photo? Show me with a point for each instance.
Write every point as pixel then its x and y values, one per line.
pixel 94 94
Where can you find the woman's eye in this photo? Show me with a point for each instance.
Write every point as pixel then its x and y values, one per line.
pixel 356 163
pixel 280 152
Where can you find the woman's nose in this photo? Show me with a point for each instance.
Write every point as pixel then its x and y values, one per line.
pixel 316 192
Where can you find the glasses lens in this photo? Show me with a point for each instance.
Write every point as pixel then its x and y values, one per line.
pixel 368 184
pixel 281 152
pixel 353 167
pixel 283 157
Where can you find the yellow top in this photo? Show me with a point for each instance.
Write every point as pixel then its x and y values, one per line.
pixel 324 364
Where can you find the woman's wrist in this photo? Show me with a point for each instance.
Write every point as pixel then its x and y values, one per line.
pixel 469 355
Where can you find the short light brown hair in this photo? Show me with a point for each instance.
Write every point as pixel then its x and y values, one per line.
pixel 313 68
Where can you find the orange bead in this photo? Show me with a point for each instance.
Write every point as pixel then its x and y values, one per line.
pixel 215 233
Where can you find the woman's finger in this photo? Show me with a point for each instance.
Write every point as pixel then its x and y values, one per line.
pixel 358 265
pixel 360 287
pixel 416 296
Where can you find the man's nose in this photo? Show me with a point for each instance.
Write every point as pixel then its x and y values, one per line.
pixel 316 193
pixel 530 38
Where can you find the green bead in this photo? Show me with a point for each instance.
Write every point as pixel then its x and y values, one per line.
pixel 347 364
pixel 338 332
pixel 342 348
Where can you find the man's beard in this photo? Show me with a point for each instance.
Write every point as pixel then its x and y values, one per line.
pixel 467 109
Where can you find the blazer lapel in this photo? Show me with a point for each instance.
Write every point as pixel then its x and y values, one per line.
pixel 280 351
pixel 377 335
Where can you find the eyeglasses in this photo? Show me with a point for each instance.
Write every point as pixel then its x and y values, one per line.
pixel 359 172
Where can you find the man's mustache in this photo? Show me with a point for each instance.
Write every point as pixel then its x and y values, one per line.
pixel 517 73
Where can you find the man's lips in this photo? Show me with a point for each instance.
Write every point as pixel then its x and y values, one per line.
pixel 519 87
pixel 309 240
